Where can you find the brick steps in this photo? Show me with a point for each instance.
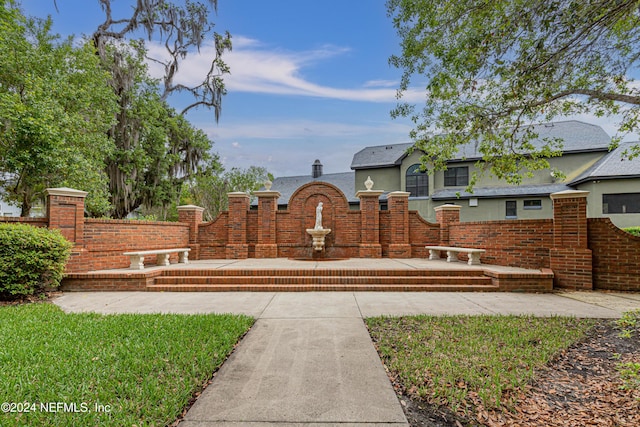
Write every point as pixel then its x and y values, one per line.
pixel 322 288
pixel 320 280
pixel 323 272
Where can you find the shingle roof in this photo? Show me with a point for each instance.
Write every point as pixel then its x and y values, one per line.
pixel 577 137
pixel 380 156
pixel 612 166
pixel 287 185
pixel 498 192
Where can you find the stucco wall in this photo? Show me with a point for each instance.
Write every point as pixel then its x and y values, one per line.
pixel 387 179
pixel 594 201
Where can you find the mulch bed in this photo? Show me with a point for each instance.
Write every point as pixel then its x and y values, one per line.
pixel 581 387
pixel 28 299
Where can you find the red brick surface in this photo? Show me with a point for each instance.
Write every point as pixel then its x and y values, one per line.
pixel 582 253
pixel 616 256
pixel 274 280
pixel 516 243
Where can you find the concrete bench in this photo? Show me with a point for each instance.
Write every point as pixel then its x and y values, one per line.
pixel 452 253
pixel 137 258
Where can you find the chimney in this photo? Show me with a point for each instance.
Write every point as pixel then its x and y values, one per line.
pixel 316 169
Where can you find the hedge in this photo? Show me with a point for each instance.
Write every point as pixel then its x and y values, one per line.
pixel 31 259
pixel 633 230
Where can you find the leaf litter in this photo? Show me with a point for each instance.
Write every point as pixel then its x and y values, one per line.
pixel 580 387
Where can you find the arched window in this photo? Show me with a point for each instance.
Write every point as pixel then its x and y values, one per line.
pixel 417 182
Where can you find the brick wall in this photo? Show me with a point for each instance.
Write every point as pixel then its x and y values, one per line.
pixel 421 234
pixel 291 225
pixel 616 256
pixel 106 240
pixel 212 237
pixel 36 222
pixel 582 253
pixel 517 243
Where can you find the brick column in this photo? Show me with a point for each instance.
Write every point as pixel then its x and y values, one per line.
pixel 370 223
pixel 65 211
pixel 398 203
pixel 237 247
pixel 192 215
pixel 446 215
pixel 267 246
pixel 570 258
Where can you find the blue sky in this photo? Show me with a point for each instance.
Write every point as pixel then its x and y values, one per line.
pixel 309 79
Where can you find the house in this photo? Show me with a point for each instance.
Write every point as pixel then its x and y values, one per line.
pixel 8 210
pixel 613 183
pixel 586 161
pixel 612 179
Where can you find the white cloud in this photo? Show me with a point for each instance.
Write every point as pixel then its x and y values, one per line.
pixel 382 83
pixel 286 129
pixel 289 147
pixel 257 68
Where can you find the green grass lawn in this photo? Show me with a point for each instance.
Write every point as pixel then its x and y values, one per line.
pixel 462 361
pixel 62 369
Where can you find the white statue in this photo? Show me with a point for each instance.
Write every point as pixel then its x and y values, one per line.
pixel 319 217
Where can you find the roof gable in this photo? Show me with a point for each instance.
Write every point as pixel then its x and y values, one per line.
pixel 614 165
pixel 380 156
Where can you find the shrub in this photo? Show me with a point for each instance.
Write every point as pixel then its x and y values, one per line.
pixel 633 230
pixel 31 259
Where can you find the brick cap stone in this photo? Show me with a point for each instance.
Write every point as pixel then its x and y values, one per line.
pixel 66 191
pixel 447 208
pixel 369 193
pixel 237 194
pixel 568 194
pixel 267 194
pixel 190 208
pixel 398 194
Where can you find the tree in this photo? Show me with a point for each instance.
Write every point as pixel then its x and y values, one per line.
pixel 156 148
pixel 182 28
pixel 494 68
pixel 210 186
pixel 55 109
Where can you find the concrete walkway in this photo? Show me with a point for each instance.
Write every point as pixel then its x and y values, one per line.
pixel 309 360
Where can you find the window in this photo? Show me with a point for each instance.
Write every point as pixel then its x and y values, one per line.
pixel 417 183
pixel 511 209
pixel 456 177
pixel 621 203
pixel 533 204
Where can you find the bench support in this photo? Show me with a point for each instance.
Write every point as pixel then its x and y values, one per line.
pixel 474 258
pixel 162 259
pixel 137 262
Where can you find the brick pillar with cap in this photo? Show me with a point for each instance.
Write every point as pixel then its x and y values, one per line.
pixel 237 247
pixel 267 246
pixel 65 212
pixel 370 246
pixel 445 216
pixel 398 205
pixel 192 215
pixel 570 257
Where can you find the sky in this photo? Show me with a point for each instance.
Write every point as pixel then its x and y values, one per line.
pixel 309 79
